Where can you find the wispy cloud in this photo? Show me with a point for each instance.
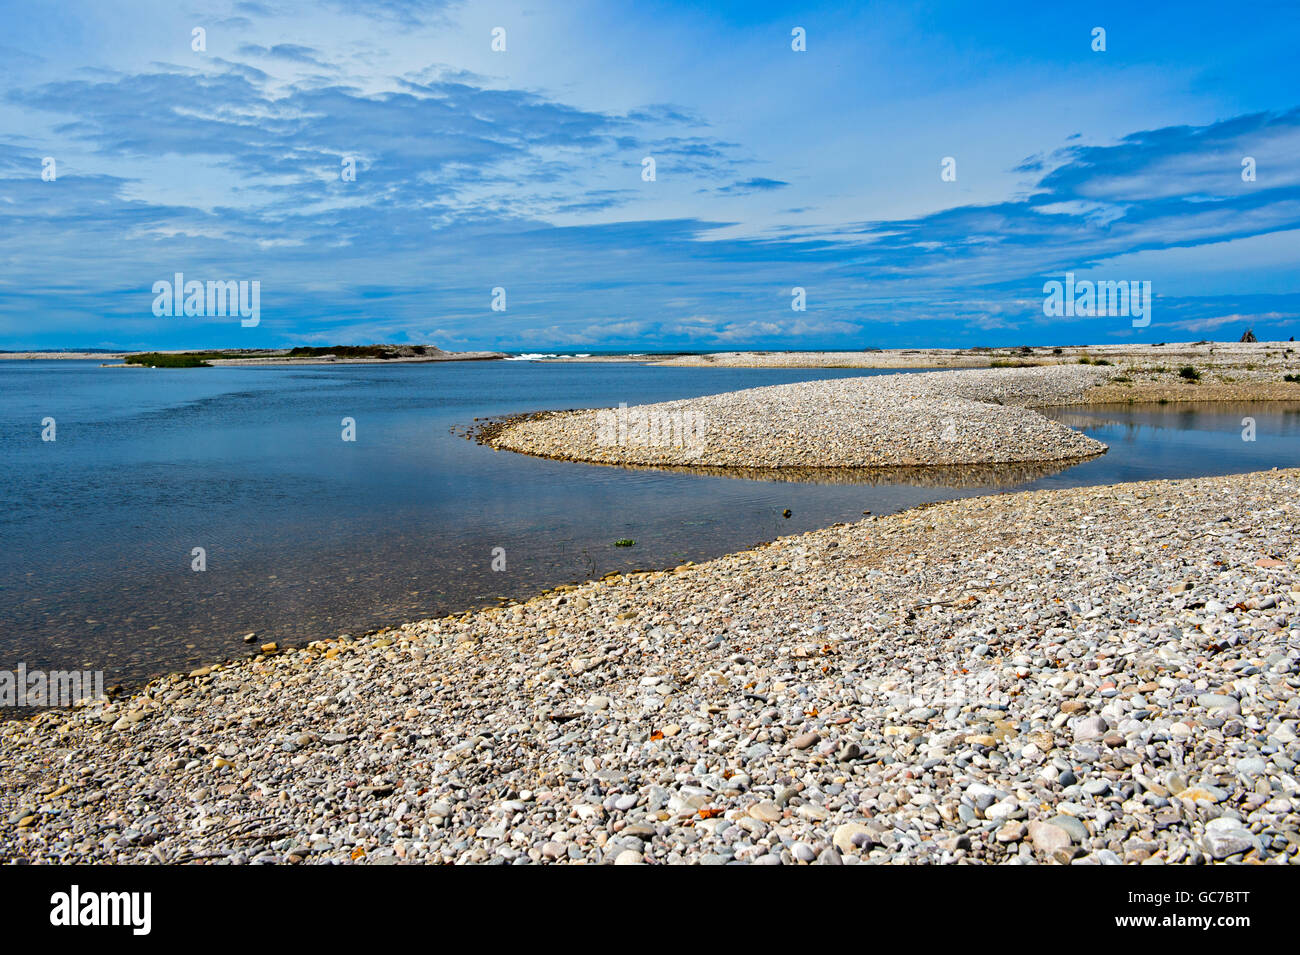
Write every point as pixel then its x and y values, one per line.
pixel 369 202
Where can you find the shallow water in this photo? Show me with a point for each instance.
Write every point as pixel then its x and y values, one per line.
pixel 307 535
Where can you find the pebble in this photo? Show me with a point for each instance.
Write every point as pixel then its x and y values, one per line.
pixel 1048 838
pixel 1226 837
pixel 1091 727
pixel 851 836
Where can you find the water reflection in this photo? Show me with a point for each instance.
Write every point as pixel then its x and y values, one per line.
pixel 991 476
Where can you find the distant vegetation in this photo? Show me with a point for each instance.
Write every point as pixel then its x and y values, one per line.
pixel 1295 379
pixel 153 359
pixel 1189 373
pixel 200 359
pixel 342 351
pixel 359 351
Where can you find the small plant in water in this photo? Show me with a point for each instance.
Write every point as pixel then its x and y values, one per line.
pixel 624 542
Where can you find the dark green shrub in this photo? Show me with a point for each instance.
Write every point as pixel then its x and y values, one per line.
pixel 155 359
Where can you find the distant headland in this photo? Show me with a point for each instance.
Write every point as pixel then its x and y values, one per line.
pixel 302 355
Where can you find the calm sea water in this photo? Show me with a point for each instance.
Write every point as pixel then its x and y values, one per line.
pixel 307 535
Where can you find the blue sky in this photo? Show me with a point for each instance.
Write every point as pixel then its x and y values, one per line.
pixel 522 169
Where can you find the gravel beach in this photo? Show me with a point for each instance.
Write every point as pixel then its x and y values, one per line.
pixel 1091 675
pixel 1221 371
pixel 972 417
pixel 1260 359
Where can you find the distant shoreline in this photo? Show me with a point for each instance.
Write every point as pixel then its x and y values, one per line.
pixel 1225 371
pixel 78 355
pixel 402 354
